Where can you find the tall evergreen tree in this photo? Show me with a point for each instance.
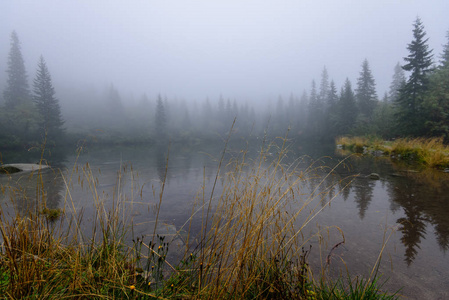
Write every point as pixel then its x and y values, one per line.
pixel 383 119
pixel 332 100
pixel 366 92
pixel 436 100
pixel 332 96
pixel 51 121
pixel 436 104
pixel 397 83
pixel 346 112
pixel 17 89
pixel 410 113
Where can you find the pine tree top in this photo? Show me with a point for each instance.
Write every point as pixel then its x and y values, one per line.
pixel 17 89
pixel 420 57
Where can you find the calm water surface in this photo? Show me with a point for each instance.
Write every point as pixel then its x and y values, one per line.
pixel 407 208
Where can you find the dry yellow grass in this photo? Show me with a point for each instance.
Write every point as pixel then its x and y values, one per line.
pixel 254 233
pixel 431 152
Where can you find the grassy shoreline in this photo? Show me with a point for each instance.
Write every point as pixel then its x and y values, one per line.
pixel 424 152
pixel 249 247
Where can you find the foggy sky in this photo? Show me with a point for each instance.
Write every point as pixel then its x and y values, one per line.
pixel 242 49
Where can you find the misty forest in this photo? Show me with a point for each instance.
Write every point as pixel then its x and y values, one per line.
pixel 416 105
pixel 98 180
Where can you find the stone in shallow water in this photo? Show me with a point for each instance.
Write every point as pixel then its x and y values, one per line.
pixel 374 176
pixel 15 168
pixel 9 170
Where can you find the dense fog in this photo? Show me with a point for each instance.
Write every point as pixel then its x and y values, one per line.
pixel 120 70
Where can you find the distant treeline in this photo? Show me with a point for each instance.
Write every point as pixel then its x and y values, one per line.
pixel 417 104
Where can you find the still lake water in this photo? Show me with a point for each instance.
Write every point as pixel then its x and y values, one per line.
pixel 407 207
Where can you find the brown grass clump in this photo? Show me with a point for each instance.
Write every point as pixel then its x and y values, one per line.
pixel 430 152
pixel 252 246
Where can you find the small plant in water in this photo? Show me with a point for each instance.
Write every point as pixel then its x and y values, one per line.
pixel 52 214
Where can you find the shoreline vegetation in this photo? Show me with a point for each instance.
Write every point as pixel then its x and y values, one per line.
pixel 249 246
pixel 422 152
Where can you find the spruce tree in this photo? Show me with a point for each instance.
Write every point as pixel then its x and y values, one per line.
pixel 332 100
pixel 366 92
pixel 346 110
pixel 50 122
pixel 17 89
pixel 436 100
pixel 410 113
pixel 332 96
pixel 315 112
pixel 397 83
pixel 436 103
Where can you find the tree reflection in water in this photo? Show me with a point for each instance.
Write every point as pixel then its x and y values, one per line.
pixel 422 195
pixel 363 188
pixel 425 201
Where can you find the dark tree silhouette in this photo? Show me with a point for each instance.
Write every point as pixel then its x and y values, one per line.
pixel 410 113
pixel 363 195
pixel 17 89
pixel 50 122
pixel 436 100
pixel 315 117
pixel 346 112
pixel 413 228
pixel 397 83
pixel 332 97
pixel 366 92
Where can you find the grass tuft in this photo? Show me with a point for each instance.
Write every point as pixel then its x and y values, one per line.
pixel 429 152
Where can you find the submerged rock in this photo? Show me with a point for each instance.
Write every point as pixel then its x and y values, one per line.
pixel 15 168
pixel 374 176
pixel 9 170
